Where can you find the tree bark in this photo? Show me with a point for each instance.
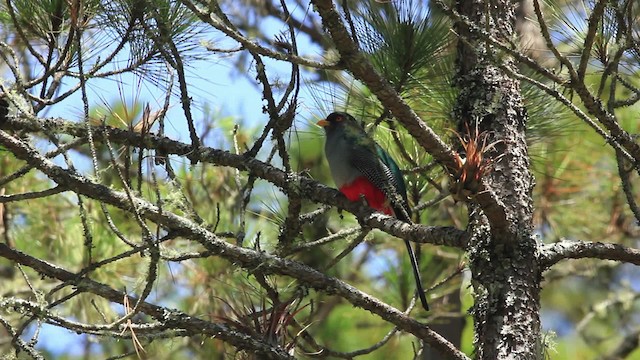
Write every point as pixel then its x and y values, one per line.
pixel 505 273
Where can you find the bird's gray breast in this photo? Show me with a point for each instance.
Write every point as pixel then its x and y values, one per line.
pixel 339 152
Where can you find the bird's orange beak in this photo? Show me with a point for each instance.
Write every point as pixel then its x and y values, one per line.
pixel 323 122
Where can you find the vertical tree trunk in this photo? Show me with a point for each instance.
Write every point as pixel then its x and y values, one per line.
pixel 502 256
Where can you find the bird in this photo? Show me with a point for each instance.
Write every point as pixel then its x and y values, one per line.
pixel 363 169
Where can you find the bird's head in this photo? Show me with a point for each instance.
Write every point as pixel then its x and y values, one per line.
pixel 337 120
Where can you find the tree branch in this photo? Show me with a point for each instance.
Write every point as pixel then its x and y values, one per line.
pixel 208 17
pixel 552 253
pixel 173 318
pixel 364 71
pixel 594 19
pixel 309 189
pixel 31 194
pixel 251 260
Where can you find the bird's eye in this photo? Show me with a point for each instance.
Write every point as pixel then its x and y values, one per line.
pixel 339 118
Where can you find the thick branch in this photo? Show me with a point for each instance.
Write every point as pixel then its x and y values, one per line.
pixel 208 17
pixel 308 188
pixel 553 253
pixel 245 258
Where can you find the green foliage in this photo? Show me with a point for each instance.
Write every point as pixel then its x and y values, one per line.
pixel 404 40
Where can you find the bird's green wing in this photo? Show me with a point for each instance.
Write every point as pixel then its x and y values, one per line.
pixel 397 179
pixel 378 167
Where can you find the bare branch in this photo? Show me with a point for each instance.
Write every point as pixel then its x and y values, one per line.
pixel 308 188
pixel 174 58
pixel 312 31
pixel 552 253
pixel 594 19
pixel 18 343
pixel 547 37
pixel 634 98
pixel 209 18
pixel 31 195
pixel 627 185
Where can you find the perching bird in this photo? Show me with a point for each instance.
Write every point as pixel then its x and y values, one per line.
pixel 361 168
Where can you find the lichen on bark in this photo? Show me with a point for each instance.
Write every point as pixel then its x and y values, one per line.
pixel 502 251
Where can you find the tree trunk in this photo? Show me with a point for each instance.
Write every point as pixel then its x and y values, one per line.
pixel 506 276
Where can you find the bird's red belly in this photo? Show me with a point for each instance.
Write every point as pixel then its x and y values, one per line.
pixel 374 196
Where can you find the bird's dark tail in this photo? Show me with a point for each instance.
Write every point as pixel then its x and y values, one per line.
pixel 416 274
